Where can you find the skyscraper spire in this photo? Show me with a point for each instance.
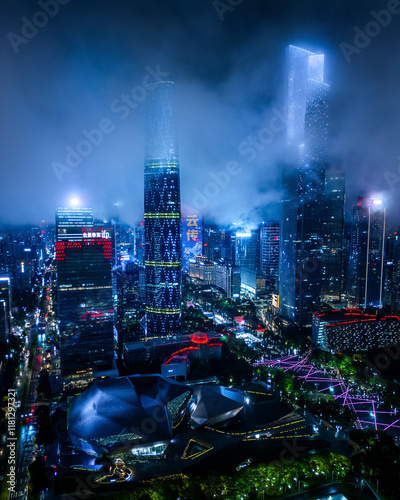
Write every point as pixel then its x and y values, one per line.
pixel 162 216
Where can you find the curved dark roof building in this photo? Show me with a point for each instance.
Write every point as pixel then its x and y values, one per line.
pixel 214 404
pixel 115 416
pixel 137 414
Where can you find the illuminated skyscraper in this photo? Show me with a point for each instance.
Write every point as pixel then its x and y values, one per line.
pixel 246 250
pixel 367 250
pixel 5 307
pixel 333 223
pixel 84 296
pixel 303 181
pixel 162 216
pixel 70 221
pixel 269 252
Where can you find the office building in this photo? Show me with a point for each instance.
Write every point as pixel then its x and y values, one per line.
pixel 303 183
pixel 269 252
pixel 70 221
pixel 202 269
pixel 162 217
pixel 5 307
pixel 252 283
pixel 246 249
pixel 332 285
pixel 227 279
pixel 85 304
pixel 367 251
pixel 212 242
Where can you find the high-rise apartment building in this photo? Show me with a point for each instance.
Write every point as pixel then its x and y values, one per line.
pixel 162 216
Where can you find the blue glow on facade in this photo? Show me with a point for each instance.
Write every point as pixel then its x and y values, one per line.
pixel 162 217
pixel 303 181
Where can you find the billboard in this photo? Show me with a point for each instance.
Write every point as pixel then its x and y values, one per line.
pixel 192 241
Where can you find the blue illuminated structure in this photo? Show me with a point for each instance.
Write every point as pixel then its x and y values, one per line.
pixel 162 217
pixel 303 182
pixel 367 254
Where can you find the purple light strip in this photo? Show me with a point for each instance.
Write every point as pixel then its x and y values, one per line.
pixel 392 424
pixel 368 411
pixel 309 375
pixel 327 388
pixel 373 406
pixel 378 423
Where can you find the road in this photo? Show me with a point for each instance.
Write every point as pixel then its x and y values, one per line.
pixel 26 445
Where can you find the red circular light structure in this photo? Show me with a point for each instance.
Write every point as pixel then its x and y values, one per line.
pixel 199 338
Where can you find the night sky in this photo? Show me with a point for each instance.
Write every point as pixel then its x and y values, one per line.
pixel 71 76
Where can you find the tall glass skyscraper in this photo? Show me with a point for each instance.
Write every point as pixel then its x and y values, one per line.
pixel 84 295
pixel 246 246
pixel 303 182
pixel 367 250
pixel 162 216
pixel 332 286
pixel 269 252
pixel 5 307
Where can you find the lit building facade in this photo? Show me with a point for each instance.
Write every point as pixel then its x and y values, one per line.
pixel 367 252
pixel 212 241
pixel 202 269
pixel 162 217
pixel 192 242
pixel 269 252
pixel 227 278
pixel 5 307
pixel 85 304
pixel 136 354
pixel 352 330
pixel 246 249
pixel 395 292
pixel 252 283
pixel 303 183
pixel 70 221
pixel 332 285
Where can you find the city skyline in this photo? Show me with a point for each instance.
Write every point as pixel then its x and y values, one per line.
pixel 238 84
pixel 214 310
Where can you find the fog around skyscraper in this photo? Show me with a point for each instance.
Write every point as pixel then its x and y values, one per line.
pixel 219 320
pixel 61 83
